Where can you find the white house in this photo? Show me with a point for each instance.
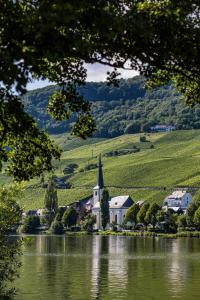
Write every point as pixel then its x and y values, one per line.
pixel 163 128
pixel 117 205
pixel 178 200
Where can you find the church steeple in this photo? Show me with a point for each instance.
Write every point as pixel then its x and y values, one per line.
pixel 97 190
pixel 100 174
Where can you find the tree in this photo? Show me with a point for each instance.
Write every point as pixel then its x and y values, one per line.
pixel 89 222
pixel 57 227
pixel 182 221
pixel 142 213
pixel 51 198
pixel 194 205
pixel 146 36
pixel 30 224
pixel 196 218
pixel 132 128
pixel 70 217
pixel 10 216
pixel 150 217
pixel 131 213
pixel 104 207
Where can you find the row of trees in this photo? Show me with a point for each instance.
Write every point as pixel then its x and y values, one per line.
pixel 168 221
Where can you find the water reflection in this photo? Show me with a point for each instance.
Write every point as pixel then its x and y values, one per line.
pixel 110 267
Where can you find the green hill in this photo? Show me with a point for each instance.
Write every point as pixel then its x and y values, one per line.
pixel 126 109
pixel 165 161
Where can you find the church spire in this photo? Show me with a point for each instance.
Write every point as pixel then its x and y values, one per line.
pixel 100 174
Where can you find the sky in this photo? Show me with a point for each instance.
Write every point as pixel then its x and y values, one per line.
pixel 96 72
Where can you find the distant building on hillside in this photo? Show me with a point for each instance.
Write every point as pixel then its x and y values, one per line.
pixel 178 200
pixel 163 128
pixel 117 205
pixel 29 213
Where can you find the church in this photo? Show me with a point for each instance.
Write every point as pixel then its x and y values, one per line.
pixel 117 205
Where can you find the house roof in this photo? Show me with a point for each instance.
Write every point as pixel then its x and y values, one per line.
pixel 176 195
pixel 118 202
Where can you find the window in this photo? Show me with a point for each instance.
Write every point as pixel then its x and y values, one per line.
pixel 116 219
pixel 96 193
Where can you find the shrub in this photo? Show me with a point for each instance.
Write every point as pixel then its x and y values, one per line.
pixel 30 224
pixel 57 227
pixel 89 222
pixel 90 167
pixel 69 218
pixel 143 139
pixel 70 168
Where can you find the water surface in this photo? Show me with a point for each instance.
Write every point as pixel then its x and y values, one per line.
pixel 109 267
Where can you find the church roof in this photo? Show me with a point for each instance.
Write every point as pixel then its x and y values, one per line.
pixel 120 202
pixel 117 202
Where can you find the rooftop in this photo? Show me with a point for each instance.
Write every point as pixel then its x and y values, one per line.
pixel 118 202
pixel 177 194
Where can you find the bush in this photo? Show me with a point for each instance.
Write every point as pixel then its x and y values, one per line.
pixel 89 222
pixel 70 168
pixel 30 224
pixel 69 218
pixel 57 227
pixel 143 139
pixel 90 167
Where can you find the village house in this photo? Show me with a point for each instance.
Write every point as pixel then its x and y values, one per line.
pixel 178 200
pixel 163 128
pixel 117 205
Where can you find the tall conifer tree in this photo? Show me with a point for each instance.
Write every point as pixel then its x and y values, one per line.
pixel 104 206
pixel 51 198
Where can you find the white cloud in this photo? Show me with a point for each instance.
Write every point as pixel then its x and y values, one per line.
pixel 96 72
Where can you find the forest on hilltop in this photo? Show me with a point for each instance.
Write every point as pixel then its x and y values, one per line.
pixel 129 108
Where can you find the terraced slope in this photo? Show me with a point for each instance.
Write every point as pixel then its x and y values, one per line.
pixel 172 161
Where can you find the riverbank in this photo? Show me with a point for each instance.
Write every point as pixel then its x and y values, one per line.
pixel 190 234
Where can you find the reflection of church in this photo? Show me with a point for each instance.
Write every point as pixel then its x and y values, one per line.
pixel 117 205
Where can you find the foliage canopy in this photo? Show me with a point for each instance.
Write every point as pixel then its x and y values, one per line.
pixel 54 40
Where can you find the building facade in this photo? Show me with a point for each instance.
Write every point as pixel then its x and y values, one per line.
pixel 178 200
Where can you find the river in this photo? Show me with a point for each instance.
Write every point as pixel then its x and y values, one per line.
pixel 109 268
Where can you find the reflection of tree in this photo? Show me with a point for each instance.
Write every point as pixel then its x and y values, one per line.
pixel 8 266
pixel 60 267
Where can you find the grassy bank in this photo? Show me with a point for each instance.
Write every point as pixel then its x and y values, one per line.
pixel 188 234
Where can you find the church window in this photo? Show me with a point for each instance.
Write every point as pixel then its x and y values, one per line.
pixel 96 193
pixel 116 219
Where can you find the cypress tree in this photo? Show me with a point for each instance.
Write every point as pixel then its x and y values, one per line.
pixel 104 206
pixel 51 198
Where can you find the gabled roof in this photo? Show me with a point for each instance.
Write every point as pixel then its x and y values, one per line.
pixel 117 202
pixel 177 194
pixel 120 202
